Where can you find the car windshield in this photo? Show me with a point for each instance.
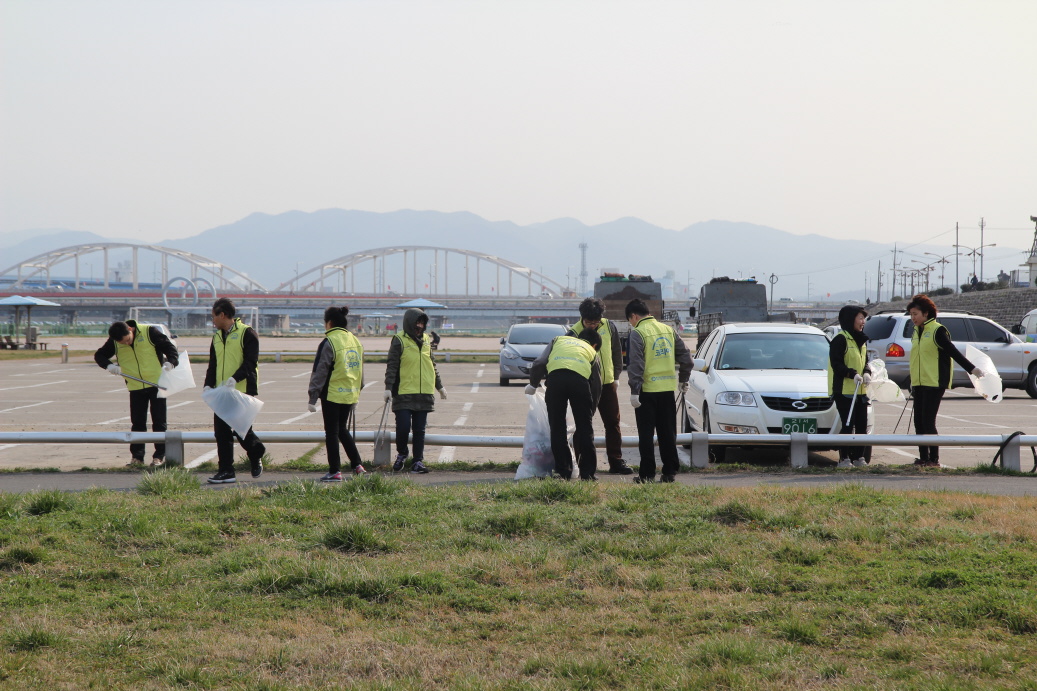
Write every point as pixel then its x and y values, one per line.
pixel 769 351
pixel 534 335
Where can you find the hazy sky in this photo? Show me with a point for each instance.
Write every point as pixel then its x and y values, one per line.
pixel 880 120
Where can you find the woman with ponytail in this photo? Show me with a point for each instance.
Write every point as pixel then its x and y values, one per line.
pixel 337 378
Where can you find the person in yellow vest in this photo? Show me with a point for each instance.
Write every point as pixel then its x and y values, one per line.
pixel 233 361
pixel 573 370
pixel 411 377
pixel 592 316
pixel 336 380
pixel 848 370
pixel 654 353
pixel 141 351
pixel 930 367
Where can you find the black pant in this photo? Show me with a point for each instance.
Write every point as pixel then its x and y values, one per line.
pixel 859 424
pixel 336 429
pixel 568 388
pixel 405 421
pixel 140 399
pixel 657 416
pixel 608 411
pixel 927 405
pixel 225 437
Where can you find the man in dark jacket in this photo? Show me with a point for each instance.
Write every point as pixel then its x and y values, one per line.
pixel 141 351
pixel 234 362
pixel 592 316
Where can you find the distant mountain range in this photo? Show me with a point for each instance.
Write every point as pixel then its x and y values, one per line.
pixel 270 248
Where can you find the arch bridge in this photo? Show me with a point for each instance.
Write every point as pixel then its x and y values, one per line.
pixel 425 269
pixel 202 268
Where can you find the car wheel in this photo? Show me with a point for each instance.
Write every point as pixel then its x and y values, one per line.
pixel 718 453
pixel 504 381
pixel 1031 381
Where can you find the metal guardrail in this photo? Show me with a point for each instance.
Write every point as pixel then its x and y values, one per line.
pixel 798 444
pixel 441 355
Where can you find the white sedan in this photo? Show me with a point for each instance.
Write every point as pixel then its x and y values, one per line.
pixel 759 378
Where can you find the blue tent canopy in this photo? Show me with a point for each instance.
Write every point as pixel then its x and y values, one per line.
pixel 28 302
pixel 421 303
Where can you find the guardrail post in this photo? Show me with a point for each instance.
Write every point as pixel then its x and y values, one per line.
pixel 799 451
pixel 446 357
pixel 174 449
pixel 64 353
pixel 1010 456
pixel 699 450
pixel 277 356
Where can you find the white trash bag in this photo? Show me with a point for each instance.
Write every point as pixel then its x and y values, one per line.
pixel 882 389
pixel 537 459
pixel 989 387
pixel 179 379
pixel 233 407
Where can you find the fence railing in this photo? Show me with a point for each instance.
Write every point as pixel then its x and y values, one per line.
pixel 441 355
pixel 798 444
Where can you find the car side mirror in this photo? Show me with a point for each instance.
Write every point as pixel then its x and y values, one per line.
pixel 1017 329
pixel 502 341
pixel 691 312
pixel 699 365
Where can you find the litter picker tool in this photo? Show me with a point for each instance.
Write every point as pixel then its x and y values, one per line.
pixel 381 438
pixel 143 381
pixel 853 402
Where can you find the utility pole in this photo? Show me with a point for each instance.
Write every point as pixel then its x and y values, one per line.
pixel 878 284
pixel 957 283
pixel 981 227
pixel 583 269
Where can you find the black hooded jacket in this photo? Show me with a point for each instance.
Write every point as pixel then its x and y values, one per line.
pixel 837 349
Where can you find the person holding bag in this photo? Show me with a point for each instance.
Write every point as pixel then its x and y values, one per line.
pixel 336 380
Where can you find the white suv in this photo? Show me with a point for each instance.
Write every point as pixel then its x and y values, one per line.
pixel 1016 361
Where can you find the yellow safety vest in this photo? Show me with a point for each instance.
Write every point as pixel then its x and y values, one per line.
pixel 660 361
pixel 925 356
pixel 230 354
pixel 608 374
pixel 139 359
pixel 348 370
pixel 571 353
pixel 417 373
pixel 855 359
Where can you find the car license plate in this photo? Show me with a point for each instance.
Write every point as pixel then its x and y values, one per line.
pixel 807 425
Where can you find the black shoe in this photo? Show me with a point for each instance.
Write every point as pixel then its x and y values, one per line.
pixel 397 465
pixel 418 467
pixel 222 477
pixel 641 480
pixel 257 467
pixel 589 478
pixel 621 468
pixel 667 478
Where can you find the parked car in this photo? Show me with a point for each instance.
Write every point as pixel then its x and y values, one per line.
pixel 1026 329
pixel 1015 360
pixel 523 344
pixel 762 378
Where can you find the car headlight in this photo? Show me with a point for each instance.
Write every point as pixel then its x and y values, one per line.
pixel 736 398
pixel 509 354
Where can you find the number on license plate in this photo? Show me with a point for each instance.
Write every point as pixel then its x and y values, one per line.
pixel 807 425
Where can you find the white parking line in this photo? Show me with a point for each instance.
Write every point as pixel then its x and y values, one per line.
pixel 8 446
pixel 475 387
pixel 480 373
pixel 304 374
pixel 120 419
pixel 467 407
pixel 971 422
pixel 33 386
pixel 36 374
pixel 446 455
pixel 120 389
pixel 202 459
pixel 460 421
pixel 294 419
pixel 31 405
pixel 899 451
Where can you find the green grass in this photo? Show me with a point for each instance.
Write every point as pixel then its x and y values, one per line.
pixel 380 583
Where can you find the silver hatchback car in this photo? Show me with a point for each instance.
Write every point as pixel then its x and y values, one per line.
pixel 523 344
pixel 1016 361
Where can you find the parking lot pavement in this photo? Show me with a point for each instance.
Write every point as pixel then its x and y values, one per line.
pixel 45 395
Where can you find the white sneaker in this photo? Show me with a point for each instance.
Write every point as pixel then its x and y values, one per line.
pixel 860 463
pixel 845 463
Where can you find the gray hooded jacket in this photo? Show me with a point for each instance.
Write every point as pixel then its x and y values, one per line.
pixel 414 401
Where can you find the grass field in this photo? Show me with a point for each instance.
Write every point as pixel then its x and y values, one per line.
pixel 379 583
